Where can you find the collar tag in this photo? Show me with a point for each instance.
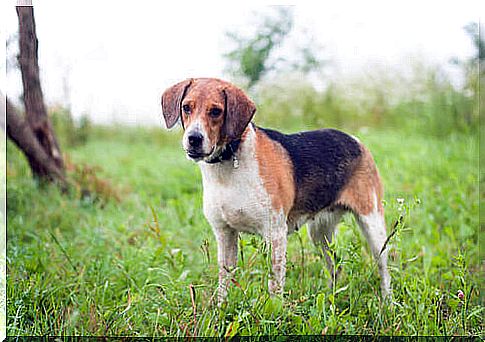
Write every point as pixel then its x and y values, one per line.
pixel 235 161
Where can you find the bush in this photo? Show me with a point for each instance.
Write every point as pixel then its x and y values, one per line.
pixel 419 100
pixel 69 132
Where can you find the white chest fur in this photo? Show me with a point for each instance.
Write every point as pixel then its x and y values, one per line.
pixel 236 197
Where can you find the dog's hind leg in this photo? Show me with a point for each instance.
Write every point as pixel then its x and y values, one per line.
pixel 321 230
pixel 374 228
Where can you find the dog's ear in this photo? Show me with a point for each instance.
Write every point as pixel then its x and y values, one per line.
pixel 239 112
pixel 172 100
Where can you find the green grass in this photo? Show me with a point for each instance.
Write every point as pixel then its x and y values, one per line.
pixel 95 266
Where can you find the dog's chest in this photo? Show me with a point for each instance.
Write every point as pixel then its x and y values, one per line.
pixel 236 197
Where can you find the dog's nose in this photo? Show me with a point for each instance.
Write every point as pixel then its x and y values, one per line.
pixel 195 139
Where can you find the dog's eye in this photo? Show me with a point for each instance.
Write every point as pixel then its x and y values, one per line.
pixel 186 109
pixel 215 112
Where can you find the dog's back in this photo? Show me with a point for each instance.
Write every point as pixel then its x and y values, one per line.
pixel 323 161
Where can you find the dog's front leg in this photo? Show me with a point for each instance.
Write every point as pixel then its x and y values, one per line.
pixel 226 257
pixel 278 240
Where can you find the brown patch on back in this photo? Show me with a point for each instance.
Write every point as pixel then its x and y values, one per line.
pixel 358 193
pixel 276 172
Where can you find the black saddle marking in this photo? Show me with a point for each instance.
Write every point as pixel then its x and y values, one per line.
pixel 323 162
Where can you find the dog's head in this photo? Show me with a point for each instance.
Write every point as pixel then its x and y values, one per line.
pixel 212 112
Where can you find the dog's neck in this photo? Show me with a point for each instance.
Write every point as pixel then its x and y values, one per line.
pixel 228 152
pixel 233 158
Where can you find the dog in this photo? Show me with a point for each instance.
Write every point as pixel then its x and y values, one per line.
pixel 264 182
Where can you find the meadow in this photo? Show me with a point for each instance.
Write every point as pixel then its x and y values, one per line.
pixel 128 252
pixel 97 266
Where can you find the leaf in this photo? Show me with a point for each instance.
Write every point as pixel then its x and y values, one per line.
pixel 232 329
pixel 321 302
pixel 342 289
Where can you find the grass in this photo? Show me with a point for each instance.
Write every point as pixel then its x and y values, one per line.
pixel 146 265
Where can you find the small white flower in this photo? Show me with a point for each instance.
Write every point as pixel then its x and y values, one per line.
pixel 400 200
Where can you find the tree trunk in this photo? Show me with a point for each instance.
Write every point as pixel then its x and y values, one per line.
pixel 34 135
pixel 19 131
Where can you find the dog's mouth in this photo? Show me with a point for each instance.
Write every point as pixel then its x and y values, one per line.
pixel 195 155
pixel 198 155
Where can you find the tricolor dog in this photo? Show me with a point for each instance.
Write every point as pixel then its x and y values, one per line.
pixel 264 182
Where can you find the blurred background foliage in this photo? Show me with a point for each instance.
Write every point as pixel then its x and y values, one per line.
pixel 418 97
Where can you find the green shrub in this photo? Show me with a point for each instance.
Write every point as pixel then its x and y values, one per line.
pixel 424 101
pixel 69 132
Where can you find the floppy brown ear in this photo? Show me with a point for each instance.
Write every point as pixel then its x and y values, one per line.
pixel 239 112
pixel 172 100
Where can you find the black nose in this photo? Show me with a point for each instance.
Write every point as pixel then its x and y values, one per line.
pixel 195 139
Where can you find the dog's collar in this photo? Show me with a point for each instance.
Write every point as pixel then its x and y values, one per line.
pixel 228 152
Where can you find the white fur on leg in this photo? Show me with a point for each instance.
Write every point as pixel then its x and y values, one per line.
pixel 374 228
pixel 277 236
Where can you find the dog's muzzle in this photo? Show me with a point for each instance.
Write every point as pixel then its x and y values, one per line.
pixel 194 146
